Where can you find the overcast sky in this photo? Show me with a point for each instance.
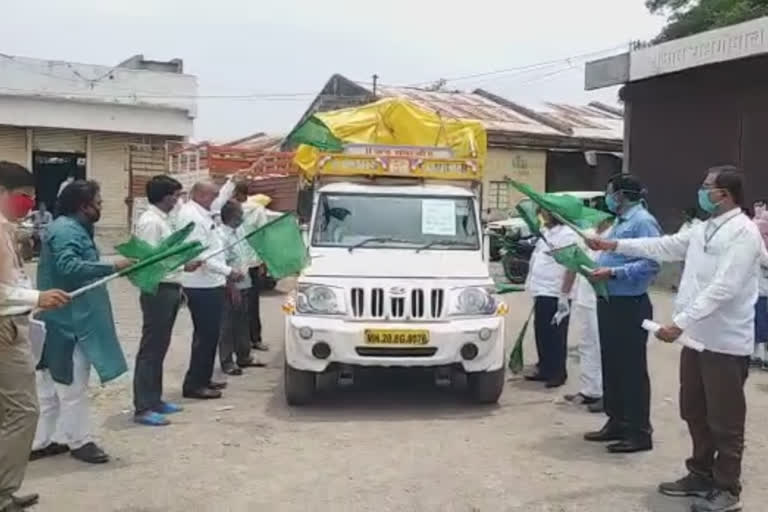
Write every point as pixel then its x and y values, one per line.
pixel 240 47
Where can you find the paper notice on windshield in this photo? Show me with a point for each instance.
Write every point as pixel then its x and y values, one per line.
pixel 438 217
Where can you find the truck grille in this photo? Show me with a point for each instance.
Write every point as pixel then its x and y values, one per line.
pixel 416 304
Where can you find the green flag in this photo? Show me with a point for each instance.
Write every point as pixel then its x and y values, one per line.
pixel 527 210
pixel 568 208
pixel 280 245
pixel 576 260
pixel 314 132
pixel 516 357
pixel 154 263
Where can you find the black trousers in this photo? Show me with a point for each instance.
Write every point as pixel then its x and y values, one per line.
pixel 206 306
pixel 235 338
pixel 551 340
pixel 159 315
pixel 254 306
pixel 623 344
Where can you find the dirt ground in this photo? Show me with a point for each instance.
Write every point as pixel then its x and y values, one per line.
pixel 401 446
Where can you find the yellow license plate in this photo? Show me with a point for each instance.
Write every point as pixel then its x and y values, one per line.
pixel 396 337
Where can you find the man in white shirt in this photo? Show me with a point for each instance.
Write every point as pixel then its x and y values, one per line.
pixel 715 306
pixel 235 337
pixel 18 397
pixel 550 284
pixel 205 291
pixel 159 310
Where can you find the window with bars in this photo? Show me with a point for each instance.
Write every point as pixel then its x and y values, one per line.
pixel 498 195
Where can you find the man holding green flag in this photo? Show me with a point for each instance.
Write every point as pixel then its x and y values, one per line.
pixel 80 335
pixel 623 340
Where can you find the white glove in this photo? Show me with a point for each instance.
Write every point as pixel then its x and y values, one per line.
pixel 563 310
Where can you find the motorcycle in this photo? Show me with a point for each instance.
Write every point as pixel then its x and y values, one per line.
pixel 516 254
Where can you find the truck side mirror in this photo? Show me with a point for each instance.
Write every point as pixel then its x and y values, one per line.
pixel 305 233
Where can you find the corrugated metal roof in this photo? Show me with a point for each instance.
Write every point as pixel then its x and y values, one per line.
pixel 258 142
pixel 471 106
pixel 592 121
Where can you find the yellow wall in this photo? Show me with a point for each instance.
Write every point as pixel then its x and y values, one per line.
pixel 526 166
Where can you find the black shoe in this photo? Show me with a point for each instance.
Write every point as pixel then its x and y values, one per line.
pixel 596 407
pixel 203 394
pixel 232 370
pixel 689 485
pixel 631 446
pixel 251 363
pixel 610 432
pixel 51 450
pixel 91 454
pixel 261 347
pixel 217 386
pixel 26 501
pixel 581 399
pixel 536 377
pixel 556 383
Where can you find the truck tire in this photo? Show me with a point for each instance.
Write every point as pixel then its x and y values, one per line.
pixel 486 387
pixel 299 385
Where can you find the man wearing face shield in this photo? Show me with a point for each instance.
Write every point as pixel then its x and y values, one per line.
pixel 715 306
pixel 78 336
pixel 626 385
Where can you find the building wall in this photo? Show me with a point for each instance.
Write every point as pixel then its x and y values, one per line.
pixel 13 145
pixel 526 166
pixel 60 80
pixel 81 115
pixel 569 171
pixel 684 123
pixel 107 164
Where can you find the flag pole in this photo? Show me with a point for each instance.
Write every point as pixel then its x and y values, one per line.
pixel 95 284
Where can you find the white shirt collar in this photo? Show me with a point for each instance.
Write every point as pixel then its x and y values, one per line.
pixel 157 211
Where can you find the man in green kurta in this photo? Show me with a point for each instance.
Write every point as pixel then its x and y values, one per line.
pixel 78 336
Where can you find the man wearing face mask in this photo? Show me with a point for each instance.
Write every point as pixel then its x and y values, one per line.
pixel 626 385
pixel 159 310
pixel 715 306
pixel 18 397
pixel 79 336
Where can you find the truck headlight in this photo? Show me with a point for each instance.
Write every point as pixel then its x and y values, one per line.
pixel 473 301
pixel 316 299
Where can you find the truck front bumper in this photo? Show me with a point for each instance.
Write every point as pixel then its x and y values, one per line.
pixel 448 344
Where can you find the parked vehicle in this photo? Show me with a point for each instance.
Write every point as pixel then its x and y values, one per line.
pixel 399 274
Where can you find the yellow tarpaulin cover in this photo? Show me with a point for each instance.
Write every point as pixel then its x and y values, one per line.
pixel 397 121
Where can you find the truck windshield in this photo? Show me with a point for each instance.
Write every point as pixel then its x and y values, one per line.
pixel 387 221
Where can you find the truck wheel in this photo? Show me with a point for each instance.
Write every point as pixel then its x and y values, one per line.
pixel 299 385
pixel 486 387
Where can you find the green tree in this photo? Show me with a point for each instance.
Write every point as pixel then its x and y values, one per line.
pixel 686 17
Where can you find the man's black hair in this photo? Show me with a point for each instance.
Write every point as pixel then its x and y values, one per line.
pixel 229 210
pixel 730 178
pixel 628 185
pixel 13 176
pixel 77 194
pixel 160 187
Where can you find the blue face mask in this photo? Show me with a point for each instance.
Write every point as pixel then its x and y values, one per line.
pixel 610 203
pixel 705 202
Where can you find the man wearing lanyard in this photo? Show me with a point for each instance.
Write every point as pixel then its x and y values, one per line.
pixel 18 398
pixel 626 385
pixel 715 306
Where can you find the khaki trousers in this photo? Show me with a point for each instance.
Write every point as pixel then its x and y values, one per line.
pixel 18 404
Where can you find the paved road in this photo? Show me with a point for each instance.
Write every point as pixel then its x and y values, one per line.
pixel 400 446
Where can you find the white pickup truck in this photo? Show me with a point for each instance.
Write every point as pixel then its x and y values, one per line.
pixel 398 278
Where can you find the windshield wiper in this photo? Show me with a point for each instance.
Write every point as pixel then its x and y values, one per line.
pixel 380 240
pixel 450 243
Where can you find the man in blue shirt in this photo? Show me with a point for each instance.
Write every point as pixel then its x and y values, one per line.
pixel 627 389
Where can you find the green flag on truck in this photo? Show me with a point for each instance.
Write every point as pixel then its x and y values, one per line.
pixel 280 245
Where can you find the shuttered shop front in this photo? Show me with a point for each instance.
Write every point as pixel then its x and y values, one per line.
pixel 13 144
pixel 55 140
pixel 107 165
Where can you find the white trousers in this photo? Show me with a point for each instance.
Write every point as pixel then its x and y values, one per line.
pixel 64 410
pixel 589 352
